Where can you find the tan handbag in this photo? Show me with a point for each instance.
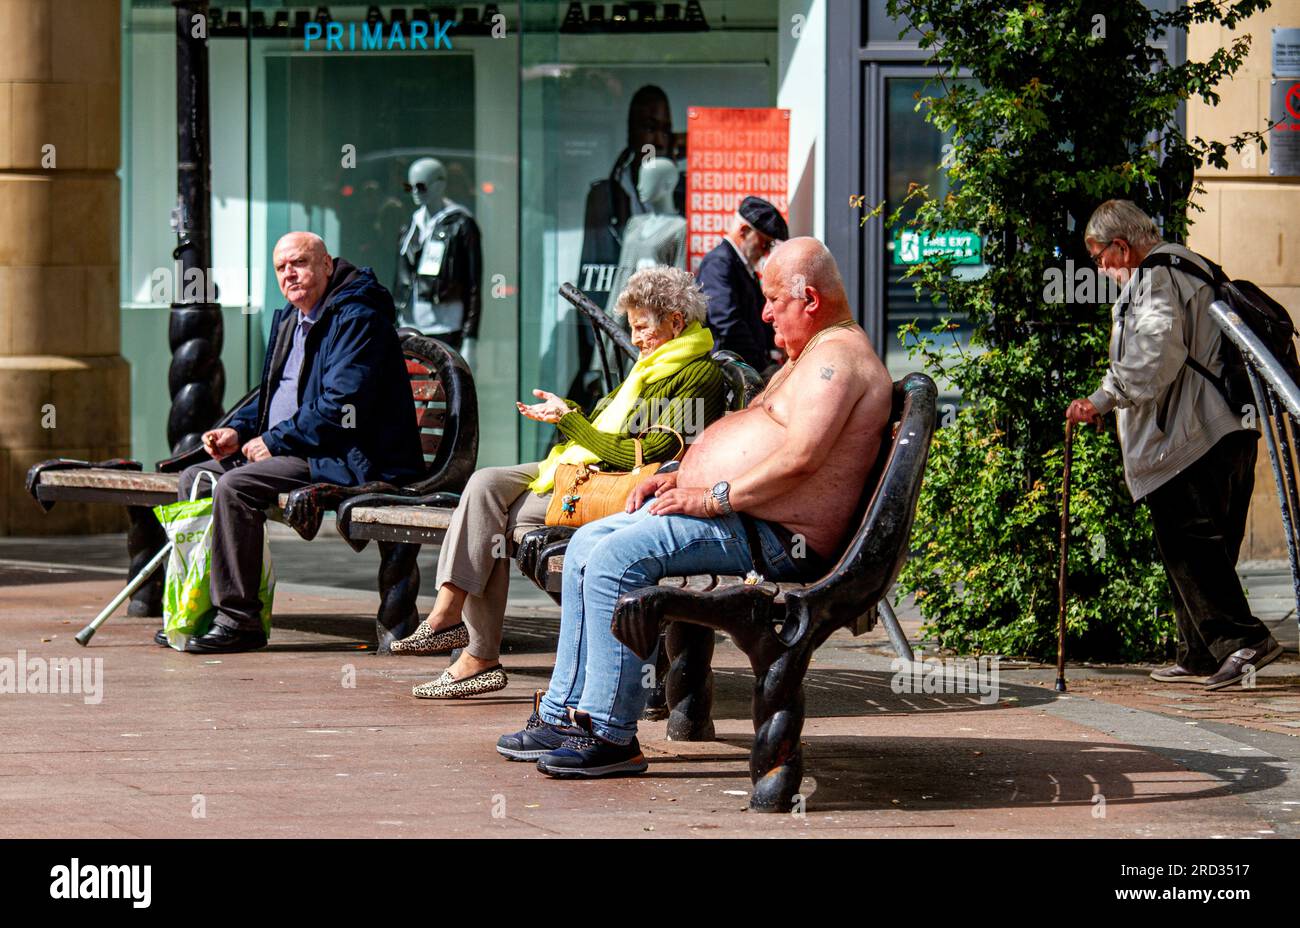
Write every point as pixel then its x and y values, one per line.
pixel 584 493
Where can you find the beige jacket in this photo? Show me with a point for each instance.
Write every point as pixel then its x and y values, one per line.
pixel 1166 317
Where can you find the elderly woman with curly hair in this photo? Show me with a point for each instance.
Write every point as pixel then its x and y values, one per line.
pixel 674 383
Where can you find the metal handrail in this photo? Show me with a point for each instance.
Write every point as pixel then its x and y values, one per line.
pixel 1277 400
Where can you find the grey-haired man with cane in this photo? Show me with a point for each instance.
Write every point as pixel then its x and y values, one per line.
pixel 1187 453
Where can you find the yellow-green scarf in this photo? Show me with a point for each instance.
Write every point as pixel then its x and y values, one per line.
pixel 695 342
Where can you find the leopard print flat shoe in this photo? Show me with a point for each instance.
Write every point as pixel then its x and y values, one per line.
pixel 424 640
pixel 448 687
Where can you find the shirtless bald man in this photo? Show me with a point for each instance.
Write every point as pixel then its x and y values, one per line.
pixel 786 472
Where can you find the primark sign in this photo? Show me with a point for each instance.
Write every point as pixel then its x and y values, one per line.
pixel 364 37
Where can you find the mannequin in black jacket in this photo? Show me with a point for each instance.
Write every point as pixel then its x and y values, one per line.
pixel 439 263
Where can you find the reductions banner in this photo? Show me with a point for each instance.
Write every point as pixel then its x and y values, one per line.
pixel 732 154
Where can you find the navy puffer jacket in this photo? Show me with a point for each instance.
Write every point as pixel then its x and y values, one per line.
pixel 356 419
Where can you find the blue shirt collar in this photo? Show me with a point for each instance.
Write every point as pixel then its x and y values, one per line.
pixel 311 317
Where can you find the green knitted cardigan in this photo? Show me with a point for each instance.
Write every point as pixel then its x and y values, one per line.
pixel 700 381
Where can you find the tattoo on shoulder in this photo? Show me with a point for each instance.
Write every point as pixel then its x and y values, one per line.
pixel 828 373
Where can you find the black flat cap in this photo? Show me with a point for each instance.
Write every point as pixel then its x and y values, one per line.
pixel 764 217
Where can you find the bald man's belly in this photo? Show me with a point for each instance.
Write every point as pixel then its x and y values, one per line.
pixel 819 509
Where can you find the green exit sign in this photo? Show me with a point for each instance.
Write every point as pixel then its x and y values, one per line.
pixel 916 247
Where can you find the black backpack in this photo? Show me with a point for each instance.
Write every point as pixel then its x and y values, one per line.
pixel 1262 314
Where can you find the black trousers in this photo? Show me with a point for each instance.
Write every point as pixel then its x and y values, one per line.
pixel 1200 519
pixel 239 505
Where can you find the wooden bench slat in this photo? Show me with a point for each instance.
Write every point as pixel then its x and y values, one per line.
pixel 426 517
pixel 428 391
pixel 105 479
pixel 431 416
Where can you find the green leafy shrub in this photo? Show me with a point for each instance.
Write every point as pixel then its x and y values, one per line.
pixel 1069 105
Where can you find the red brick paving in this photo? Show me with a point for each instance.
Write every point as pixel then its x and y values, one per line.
pixel 272 743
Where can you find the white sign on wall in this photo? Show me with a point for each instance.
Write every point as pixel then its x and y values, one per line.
pixel 1286 52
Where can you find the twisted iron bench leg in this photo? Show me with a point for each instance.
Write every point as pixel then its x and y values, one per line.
pixel 399 584
pixel 656 706
pixel 145 538
pixel 689 682
pixel 776 759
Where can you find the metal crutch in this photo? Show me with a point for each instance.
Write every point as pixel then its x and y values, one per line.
pixel 83 637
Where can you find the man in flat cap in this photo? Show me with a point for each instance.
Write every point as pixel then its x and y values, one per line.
pixel 727 276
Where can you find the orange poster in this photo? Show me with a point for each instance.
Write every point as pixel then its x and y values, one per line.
pixel 732 154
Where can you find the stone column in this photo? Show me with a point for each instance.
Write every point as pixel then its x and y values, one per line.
pixel 64 386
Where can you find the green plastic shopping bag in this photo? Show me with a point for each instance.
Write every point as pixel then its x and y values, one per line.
pixel 187 596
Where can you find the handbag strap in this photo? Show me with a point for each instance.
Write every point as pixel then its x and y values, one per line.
pixel 662 428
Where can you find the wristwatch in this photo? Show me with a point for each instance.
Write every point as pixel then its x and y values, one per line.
pixel 719 493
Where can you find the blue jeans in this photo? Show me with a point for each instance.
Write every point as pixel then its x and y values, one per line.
pixel 594 671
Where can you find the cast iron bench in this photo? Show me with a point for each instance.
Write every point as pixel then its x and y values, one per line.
pixel 779 625
pixel 392 519
pixel 446 408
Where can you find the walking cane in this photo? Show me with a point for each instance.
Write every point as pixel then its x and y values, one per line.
pixel 1060 580
pixel 84 636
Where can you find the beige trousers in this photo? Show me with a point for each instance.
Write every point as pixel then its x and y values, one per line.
pixel 476 552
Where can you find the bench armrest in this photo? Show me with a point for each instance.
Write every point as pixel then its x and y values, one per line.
pixel 372 500
pixel 306 507
pixel 746 613
pixel 178 462
pixel 36 470
pixel 529 555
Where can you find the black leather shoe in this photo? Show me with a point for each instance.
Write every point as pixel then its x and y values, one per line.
pixel 160 638
pixel 222 640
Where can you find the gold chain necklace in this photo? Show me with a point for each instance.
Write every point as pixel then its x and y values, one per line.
pixel 812 342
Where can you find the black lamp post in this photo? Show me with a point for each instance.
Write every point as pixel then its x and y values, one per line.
pixel 196 378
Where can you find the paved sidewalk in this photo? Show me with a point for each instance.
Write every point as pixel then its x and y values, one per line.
pixel 278 743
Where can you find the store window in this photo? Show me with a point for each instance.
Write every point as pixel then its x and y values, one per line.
pixel 598 108
pixel 540 133
pixel 403 158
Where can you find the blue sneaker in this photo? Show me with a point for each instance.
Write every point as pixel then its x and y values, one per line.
pixel 537 738
pixel 583 754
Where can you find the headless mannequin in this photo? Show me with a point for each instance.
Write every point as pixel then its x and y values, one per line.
pixel 424 253
pixel 657 236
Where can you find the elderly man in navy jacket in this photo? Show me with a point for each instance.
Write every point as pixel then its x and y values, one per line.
pixel 727 276
pixel 334 406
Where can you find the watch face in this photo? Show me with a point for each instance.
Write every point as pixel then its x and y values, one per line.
pixel 720 488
